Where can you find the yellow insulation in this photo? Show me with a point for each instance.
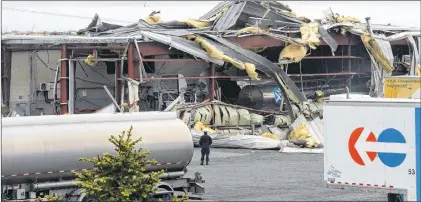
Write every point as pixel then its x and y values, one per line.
pixel 269 135
pixel 252 30
pixel 217 54
pixel 153 19
pixel 309 34
pixel 199 126
pixel 347 19
pixel 251 71
pixel 212 51
pixel 218 15
pixel 293 52
pixel 197 23
pixel 319 95
pixel 302 133
pixel 89 61
pixel 236 63
pixel 376 52
pixel 289 13
pixel 418 71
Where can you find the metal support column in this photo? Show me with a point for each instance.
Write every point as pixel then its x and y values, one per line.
pixel 63 80
pixel 212 93
pixel 130 65
pixel 71 102
pixel 349 61
pixel 117 82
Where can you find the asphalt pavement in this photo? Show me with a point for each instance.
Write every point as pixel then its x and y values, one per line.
pixel 256 175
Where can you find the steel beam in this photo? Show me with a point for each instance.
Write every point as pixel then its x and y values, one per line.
pixel 117 82
pixel 246 77
pixel 349 61
pixel 212 93
pixel 130 64
pixel 171 60
pixel 63 80
pixel 71 102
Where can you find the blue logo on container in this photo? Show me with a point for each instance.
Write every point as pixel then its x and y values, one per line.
pixel 391 135
pixel 278 95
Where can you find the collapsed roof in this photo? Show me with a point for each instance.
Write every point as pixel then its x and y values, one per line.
pixel 205 37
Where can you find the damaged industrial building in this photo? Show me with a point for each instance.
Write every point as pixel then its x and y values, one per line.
pixel 253 73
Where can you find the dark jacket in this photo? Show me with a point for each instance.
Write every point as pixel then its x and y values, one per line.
pixel 205 141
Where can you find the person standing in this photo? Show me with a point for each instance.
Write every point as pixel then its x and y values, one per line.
pixel 205 142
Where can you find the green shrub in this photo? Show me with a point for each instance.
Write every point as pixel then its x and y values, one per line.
pixel 120 178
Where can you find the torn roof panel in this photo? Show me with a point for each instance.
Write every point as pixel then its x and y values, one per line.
pixel 215 10
pixel 239 12
pixel 183 45
pixel 328 39
pixel 256 9
pixel 230 17
pixel 233 54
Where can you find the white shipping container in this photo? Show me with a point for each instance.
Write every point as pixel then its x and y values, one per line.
pixel 373 143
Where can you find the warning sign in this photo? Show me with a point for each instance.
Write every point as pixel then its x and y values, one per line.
pixel 402 87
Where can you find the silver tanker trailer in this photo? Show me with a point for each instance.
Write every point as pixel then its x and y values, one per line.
pixel 39 153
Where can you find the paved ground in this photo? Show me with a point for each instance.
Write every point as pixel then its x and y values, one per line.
pixel 252 175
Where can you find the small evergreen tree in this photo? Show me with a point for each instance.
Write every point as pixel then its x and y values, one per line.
pixel 120 178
